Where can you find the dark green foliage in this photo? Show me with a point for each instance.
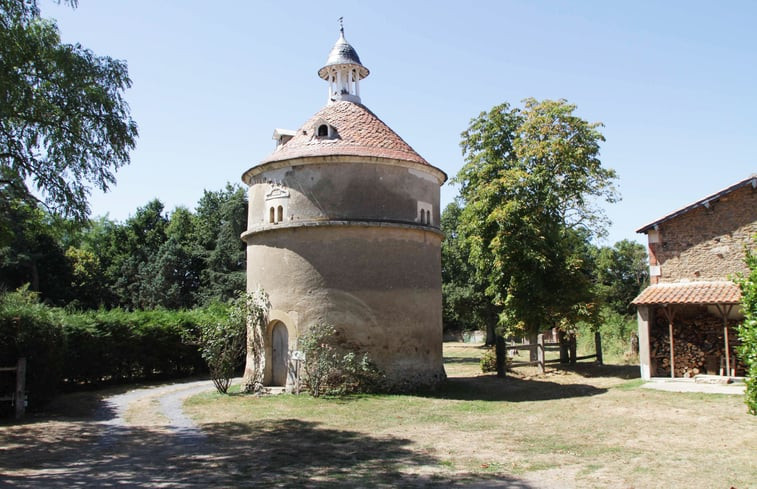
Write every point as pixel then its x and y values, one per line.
pixel 620 273
pixel 32 254
pixel 119 346
pixel 465 306
pixel 747 330
pixel 32 330
pixel 335 369
pixel 64 124
pixel 150 261
pixel 221 219
pixel 99 347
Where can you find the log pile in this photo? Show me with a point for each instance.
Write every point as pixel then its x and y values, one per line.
pixel 698 344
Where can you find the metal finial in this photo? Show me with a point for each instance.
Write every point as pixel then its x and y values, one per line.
pixel 341 25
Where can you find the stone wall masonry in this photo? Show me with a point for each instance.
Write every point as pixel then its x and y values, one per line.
pixel 708 243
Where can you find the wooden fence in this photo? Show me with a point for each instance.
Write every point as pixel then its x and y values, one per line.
pixel 19 396
pixel 542 347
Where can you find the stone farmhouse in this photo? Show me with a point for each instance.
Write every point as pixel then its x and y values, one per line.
pixel 687 314
pixel 343 228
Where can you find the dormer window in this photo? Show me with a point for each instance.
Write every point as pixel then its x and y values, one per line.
pixel 323 130
pixel 282 136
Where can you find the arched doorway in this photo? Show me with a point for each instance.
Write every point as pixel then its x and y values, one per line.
pixel 279 354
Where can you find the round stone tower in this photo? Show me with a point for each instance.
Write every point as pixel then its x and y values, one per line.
pixel 343 228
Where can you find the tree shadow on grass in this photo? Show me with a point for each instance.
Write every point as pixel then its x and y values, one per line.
pixel 510 389
pixel 269 453
pixel 592 370
pixel 461 360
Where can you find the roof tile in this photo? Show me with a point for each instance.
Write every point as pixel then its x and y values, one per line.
pixel 359 133
pixel 690 293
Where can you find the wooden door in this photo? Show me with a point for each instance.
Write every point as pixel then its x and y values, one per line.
pixel 279 354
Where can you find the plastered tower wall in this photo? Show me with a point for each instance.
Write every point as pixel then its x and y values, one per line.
pixel 351 250
pixel 343 228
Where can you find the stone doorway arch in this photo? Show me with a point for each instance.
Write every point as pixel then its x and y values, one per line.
pixel 279 354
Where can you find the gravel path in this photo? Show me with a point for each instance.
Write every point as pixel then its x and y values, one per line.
pixel 170 398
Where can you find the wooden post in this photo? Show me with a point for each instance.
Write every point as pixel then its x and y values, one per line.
pixel 598 347
pixel 500 354
pixel 563 339
pixel 670 315
pixel 724 314
pixel 672 351
pixel 540 352
pixel 21 388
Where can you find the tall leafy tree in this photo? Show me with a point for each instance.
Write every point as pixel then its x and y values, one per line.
pixel 221 219
pixel 620 272
pixel 64 124
pixel 135 247
pixel 529 187
pixel 465 306
pixel 33 255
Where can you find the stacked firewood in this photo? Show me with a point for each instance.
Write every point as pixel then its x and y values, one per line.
pixel 689 358
pixel 698 345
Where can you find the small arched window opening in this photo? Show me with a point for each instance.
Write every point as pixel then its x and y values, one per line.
pixel 423 216
pixel 323 131
pixel 281 213
pixel 271 216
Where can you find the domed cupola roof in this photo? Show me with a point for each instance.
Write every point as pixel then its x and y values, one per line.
pixel 343 54
pixel 343 71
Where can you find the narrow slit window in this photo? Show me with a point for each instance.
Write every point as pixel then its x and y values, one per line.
pixel 281 213
pixel 271 216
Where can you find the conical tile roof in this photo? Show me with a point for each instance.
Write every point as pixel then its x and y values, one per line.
pixel 356 131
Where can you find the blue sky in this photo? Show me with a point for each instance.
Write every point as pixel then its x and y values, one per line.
pixel 675 84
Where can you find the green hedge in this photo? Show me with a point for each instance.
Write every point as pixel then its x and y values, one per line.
pixel 32 330
pixel 80 349
pixel 120 346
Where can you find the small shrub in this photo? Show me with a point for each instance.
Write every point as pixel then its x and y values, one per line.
pixel 489 361
pixel 222 344
pixel 332 368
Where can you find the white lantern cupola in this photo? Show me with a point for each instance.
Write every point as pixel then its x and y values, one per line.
pixel 343 71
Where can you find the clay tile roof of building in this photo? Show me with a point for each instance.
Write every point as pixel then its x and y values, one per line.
pixel 356 131
pixel 690 293
pixel 750 180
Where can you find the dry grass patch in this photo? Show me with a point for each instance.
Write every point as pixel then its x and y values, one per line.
pixel 588 427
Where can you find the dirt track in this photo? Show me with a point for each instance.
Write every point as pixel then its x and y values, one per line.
pixel 157 447
pixel 142 438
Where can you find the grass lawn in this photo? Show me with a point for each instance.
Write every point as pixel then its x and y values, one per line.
pixel 585 427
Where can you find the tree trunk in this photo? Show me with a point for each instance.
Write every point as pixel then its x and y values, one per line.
pixel 491 334
pixel 572 346
pixel 501 356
